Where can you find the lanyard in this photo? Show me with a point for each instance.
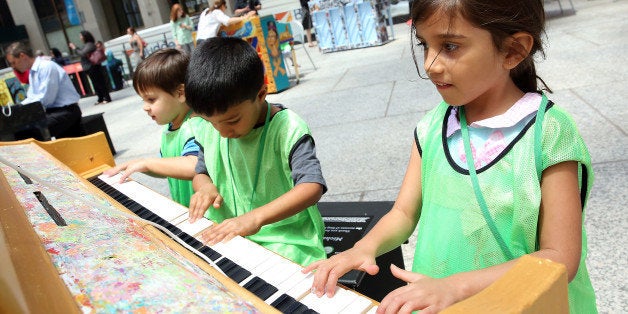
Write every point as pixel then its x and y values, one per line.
pixel 260 152
pixel 476 186
pixel 538 136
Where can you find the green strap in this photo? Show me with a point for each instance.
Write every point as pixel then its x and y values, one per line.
pixel 476 186
pixel 538 137
pixel 260 152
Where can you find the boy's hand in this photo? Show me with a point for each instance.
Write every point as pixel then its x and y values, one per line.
pixel 430 295
pixel 127 169
pixel 328 271
pixel 243 226
pixel 200 201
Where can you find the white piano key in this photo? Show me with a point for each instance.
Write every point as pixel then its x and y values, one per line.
pixel 284 270
pixel 325 304
pixel 155 202
pixel 372 310
pixel 359 305
pixel 300 286
pixel 195 228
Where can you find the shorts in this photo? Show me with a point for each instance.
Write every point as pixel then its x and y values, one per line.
pixel 307 18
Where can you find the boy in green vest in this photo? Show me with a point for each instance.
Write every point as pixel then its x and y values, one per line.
pixel 159 80
pixel 258 175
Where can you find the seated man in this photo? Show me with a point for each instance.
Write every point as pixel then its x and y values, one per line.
pixel 50 85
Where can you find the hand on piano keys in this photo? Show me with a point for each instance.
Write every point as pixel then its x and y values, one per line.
pixel 274 279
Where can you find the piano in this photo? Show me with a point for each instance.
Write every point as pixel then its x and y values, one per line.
pixel 115 262
pixel 67 246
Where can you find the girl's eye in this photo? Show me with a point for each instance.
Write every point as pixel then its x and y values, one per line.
pixel 233 122
pixel 450 47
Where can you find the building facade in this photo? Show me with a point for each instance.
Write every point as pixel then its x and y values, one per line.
pixel 45 24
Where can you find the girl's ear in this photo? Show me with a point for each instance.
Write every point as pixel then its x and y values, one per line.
pixel 518 47
pixel 180 93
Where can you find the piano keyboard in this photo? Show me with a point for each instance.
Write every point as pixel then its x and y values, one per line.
pixel 274 279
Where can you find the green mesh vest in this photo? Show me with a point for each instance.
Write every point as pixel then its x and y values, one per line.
pixel 453 235
pixel 299 237
pixel 172 143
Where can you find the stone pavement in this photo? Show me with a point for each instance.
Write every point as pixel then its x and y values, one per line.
pixel 362 106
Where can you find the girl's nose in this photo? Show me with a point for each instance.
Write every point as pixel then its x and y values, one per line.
pixel 432 62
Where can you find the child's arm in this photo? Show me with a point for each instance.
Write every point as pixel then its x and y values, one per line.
pixel 389 232
pixel 206 194
pixel 300 197
pixel 560 236
pixel 174 167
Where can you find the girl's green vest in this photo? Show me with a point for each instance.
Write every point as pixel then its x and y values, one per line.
pixel 453 235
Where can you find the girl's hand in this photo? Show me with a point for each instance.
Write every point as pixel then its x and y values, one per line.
pixel 327 272
pixel 201 200
pixel 430 295
pixel 72 46
pixel 243 226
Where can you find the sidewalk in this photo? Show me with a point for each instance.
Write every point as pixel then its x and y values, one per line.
pixel 362 106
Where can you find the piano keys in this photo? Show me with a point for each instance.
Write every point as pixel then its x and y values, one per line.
pixel 272 278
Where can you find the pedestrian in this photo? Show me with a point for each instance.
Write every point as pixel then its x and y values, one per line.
pixel 94 69
pixel 182 28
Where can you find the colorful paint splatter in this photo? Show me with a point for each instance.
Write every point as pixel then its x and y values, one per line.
pixel 107 261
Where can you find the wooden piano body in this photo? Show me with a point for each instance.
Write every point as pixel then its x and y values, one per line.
pixel 30 281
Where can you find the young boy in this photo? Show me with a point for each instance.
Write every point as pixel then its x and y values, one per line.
pixel 159 80
pixel 258 168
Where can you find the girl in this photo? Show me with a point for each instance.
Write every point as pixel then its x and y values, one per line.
pixel 496 171
pixel 182 28
pixel 137 45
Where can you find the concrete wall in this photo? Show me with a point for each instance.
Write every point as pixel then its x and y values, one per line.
pixel 24 13
pixel 154 12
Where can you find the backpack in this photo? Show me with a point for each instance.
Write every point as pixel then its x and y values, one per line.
pixel 97 56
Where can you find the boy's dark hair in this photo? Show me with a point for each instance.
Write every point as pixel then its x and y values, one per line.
pixel 223 72
pixel 501 18
pixel 163 69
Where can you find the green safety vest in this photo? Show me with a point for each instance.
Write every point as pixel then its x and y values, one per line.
pixel 453 234
pixel 299 237
pixel 172 143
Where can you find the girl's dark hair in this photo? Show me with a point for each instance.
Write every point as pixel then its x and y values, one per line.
pixel 501 18
pixel 223 72
pixel 163 69
pixel 87 37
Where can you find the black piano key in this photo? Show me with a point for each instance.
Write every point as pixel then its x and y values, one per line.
pixel 288 304
pixel 190 240
pixel 260 288
pixel 210 253
pixel 174 229
pixel 233 270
